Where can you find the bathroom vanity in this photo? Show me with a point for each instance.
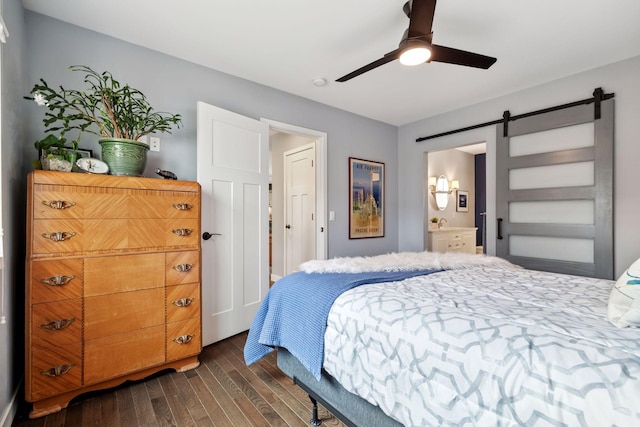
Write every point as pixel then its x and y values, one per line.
pixel 452 239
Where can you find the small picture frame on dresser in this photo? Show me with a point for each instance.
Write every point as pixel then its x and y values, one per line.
pixel 462 201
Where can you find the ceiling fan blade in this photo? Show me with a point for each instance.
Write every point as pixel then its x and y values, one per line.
pixel 420 17
pixel 460 57
pixel 375 64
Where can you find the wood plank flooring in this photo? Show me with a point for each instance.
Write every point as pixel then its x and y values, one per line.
pixel 222 391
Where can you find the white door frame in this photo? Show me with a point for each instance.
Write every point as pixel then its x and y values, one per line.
pixel 487 135
pixel 321 178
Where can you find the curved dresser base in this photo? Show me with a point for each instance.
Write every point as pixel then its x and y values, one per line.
pixel 57 403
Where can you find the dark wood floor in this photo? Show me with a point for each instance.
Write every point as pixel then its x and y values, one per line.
pixel 222 391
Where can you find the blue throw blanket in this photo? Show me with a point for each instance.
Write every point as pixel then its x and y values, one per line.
pixel 294 313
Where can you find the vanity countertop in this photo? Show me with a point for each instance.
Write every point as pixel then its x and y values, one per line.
pixel 445 229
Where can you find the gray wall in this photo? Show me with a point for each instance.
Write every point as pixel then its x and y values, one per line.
pixel 13 202
pixel 175 85
pixel 620 78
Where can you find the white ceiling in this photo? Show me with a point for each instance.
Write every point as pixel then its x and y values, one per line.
pixel 284 44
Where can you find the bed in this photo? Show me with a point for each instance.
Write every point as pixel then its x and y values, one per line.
pixel 449 340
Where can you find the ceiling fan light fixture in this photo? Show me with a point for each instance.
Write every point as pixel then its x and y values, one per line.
pixel 415 55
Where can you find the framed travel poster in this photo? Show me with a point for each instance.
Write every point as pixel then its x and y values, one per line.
pixel 366 199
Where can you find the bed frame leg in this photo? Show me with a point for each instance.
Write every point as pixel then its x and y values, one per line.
pixel 315 421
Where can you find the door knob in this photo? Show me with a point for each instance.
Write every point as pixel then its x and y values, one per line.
pixel 206 235
pixel 287 226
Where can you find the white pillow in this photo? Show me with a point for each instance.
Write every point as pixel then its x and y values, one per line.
pixel 624 301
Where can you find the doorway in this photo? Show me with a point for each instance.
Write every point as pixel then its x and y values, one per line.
pixel 464 168
pixel 284 137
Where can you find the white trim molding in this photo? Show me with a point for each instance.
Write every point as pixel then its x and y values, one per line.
pixel 11 410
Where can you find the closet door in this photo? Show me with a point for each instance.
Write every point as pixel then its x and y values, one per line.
pixel 555 191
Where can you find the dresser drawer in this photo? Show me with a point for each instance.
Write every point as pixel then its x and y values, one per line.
pixel 183 232
pixel 182 267
pixel 67 201
pixel 183 205
pixel 56 323
pixel 115 314
pixel 112 274
pixel 60 201
pixel 57 236
pixel 56 280
pixel 117 355
pixel 183 302
pixel 90 235
pixel 150 233
pixel 183 339
pixel 57 202
pixel 454 245
pixel 87 235
pixel 165 204
pixel 55 370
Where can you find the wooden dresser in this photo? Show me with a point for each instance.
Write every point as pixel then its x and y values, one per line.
pixel 112 282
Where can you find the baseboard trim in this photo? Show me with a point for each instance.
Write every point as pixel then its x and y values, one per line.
pixel 9 413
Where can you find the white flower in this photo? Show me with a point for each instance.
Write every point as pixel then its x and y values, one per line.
pixel 40 99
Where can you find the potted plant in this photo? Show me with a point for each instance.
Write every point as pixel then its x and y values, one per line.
pixel 118 113
pixel 53 155
pixel 434 223
pixel 52 152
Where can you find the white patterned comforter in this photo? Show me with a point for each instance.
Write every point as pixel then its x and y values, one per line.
pixel 487 347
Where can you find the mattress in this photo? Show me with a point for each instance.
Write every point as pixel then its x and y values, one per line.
pixel 487 347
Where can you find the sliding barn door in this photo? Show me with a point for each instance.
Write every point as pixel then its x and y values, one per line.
pixel 555 191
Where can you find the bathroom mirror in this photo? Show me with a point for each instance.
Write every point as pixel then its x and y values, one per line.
pixel 442 192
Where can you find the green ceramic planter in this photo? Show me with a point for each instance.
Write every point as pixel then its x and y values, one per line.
pixel 125 157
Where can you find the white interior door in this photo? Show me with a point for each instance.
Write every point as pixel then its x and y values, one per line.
pixel 233 170
pixel 300 206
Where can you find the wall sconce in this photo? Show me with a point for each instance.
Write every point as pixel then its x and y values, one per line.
pixel 440 188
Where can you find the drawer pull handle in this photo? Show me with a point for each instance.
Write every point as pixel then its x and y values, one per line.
pixel 182 231
pixel 58 280
pixel 58 325
pixel 59 236
pixel 183 302
pixel 57 371
pixel 58 204
pixel 183 268
pixel 184 339
pixel 183 206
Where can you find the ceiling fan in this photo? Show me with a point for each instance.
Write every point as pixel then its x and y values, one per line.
pixel 416 47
